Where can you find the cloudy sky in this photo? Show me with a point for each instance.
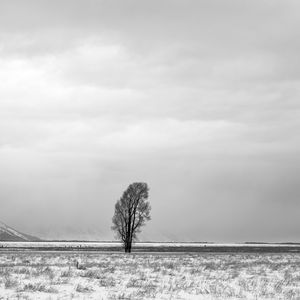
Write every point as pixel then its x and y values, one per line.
pixel 200 99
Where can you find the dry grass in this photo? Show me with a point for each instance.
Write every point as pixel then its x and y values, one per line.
pixel 37 287
pixel 149 276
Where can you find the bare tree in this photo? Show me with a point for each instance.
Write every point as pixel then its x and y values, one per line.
pixel 131 213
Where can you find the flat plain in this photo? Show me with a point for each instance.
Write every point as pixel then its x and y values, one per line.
pixel 73 274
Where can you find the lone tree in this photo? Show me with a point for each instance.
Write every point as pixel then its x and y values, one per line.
pixel 131 213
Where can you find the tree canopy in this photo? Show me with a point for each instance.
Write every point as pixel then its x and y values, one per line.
pixel 132 211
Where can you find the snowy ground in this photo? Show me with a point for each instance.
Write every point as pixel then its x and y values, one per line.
pixel 80 275
pixel 63 244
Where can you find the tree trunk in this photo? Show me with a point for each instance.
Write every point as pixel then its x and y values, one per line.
pixel 127 246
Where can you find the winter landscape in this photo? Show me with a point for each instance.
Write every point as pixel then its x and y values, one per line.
pixel 94 275
pixel 31 269
pixel 149 149
pixel 62 275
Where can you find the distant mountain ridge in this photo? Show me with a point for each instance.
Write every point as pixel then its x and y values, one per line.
pixel 9 234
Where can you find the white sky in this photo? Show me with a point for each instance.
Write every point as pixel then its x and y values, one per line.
pixel 200 99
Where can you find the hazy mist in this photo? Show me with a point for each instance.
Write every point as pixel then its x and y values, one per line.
pixel 200 99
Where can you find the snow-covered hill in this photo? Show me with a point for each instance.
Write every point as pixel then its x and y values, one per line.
pixel 9 234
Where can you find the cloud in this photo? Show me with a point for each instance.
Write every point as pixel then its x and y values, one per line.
pixel 198 98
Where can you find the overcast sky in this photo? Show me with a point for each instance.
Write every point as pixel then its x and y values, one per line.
pixel 200 99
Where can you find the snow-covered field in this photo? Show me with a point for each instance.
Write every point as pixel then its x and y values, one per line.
pixel 81 275
pixel 63 244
